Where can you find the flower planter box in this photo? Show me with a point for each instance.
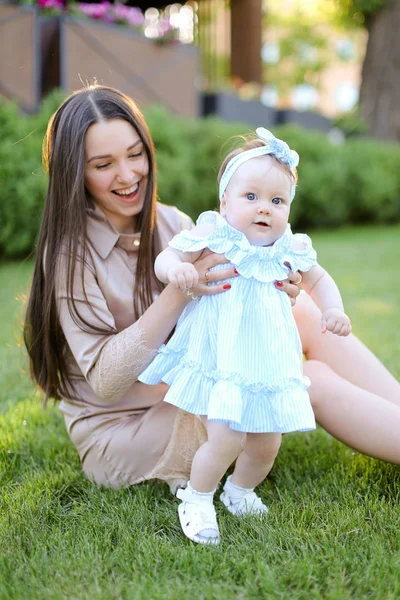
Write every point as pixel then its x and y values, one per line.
pixel 231 108
pixel 114 55
pixel 306 119
pixel 20 70
pixel 29 60
pixel 49 28
pixel 38 54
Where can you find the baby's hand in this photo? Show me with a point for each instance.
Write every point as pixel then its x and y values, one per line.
pixel 183 276
pixel 336 321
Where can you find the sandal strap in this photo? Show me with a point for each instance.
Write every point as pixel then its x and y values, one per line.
pixel 196 518
pixel 189 495
pixel 251 501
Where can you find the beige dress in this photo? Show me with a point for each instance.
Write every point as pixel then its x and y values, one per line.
pixel 123 431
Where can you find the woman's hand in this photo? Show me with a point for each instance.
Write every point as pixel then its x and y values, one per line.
pixel 291 285
pixel 203 264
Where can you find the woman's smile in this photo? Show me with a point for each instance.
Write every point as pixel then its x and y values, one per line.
pixel 129 194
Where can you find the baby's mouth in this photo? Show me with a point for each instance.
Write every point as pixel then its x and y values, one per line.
pixel 262 224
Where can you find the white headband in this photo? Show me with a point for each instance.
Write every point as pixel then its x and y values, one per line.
pixel 274 146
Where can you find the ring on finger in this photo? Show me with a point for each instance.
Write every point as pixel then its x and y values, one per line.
pixel 207 276
pixel 300 280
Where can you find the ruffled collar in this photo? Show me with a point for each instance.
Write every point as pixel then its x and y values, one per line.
pixel 224 230
pixel 264 263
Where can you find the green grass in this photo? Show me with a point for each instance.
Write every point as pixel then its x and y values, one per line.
pixel 333 530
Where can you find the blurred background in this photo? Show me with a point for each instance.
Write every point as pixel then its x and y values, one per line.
pixel 324 74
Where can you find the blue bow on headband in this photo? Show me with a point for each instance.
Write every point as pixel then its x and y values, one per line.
pixel 278 148
pixel 274 146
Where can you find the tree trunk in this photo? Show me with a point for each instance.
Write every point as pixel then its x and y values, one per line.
pixel 380 88
pixel 246 21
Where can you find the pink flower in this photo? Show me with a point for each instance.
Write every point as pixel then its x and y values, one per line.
pixel 135 17
pixel 109 13
pixel 130 14
pixel 95 11
pixel 51 4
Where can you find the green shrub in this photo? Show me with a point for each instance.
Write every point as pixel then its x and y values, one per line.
pixel 373 181
pixel 352 123
pixel 320 195
pixel 358 181
pixel 22 179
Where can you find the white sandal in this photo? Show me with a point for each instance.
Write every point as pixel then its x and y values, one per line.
pixel 197 517
pixel 248 504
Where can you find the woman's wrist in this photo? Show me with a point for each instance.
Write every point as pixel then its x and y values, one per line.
pixel 161 317
pixel 176 296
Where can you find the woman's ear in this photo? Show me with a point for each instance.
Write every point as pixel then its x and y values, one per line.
pixel 222 208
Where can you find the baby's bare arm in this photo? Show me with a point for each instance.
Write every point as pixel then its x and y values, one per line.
pixel 325 293
pixel 176 267
pixel 322 288
pixel 171 258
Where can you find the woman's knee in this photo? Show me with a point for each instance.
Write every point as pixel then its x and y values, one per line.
pixel 308 320
pixel 305 309
pixel 320 376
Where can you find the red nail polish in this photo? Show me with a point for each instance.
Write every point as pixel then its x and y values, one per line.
pixel 236 271
pixel 279 284
pixel 227 286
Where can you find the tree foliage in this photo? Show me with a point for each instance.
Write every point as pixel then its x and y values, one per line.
pixel 358 12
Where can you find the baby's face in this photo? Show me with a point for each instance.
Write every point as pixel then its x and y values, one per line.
pixel 257 200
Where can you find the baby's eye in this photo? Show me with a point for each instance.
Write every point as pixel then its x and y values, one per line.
pixel 276 201
pixel 250 196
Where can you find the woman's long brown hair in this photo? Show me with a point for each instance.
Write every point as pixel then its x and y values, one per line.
pixel 64 231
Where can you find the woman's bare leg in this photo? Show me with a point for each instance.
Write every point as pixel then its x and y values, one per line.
pixel 362 420
pixel 347 356
pixel 353 396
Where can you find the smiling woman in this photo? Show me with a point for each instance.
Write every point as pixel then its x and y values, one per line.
pixel 97 313
pixel 116 171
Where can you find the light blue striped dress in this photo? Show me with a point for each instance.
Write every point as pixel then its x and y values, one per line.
pixel 236 357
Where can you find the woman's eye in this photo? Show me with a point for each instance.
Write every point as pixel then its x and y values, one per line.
pixel 136 155
pixel 102 166
pixel 251 196
pixel 276 200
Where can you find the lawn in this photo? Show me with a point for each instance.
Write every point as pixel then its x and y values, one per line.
pixel 333 529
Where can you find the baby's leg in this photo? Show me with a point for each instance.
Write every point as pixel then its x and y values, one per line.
pixel 197 513
pixel 256 460
pixel 252 466
pixel 215 456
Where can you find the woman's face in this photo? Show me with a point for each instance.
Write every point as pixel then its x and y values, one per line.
pixel 116 171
